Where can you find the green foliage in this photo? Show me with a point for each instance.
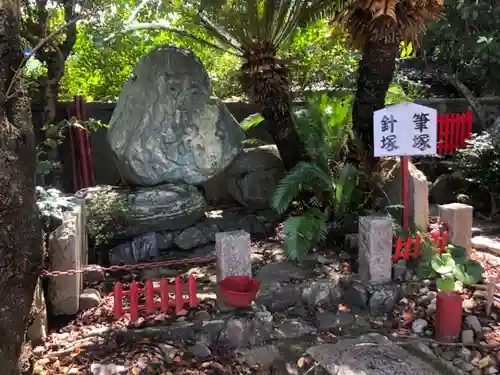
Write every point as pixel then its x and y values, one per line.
pixel 99 65
pixel 452 269
pixel 321 60
pixel 54 136
pixel 465 42
pixel 480 164
pixel 329 182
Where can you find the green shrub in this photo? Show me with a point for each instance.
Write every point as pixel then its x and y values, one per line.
pixel 326 180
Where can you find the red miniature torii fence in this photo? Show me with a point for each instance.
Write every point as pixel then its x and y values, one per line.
pixel 149 292
pixel 410 247
pixel 453 131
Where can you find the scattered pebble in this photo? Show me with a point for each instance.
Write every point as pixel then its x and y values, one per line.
pixel 468 336
pixel 465 354
pixel 424 290
pixel 467 366
pixel 491 370
pixel 468 304
pixel 472 322
pixel 484 362
pixel 419 325
pixel 449 354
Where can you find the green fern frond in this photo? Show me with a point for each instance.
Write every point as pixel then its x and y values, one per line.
pixel 303 232
pixel 346 184
pixel 304 176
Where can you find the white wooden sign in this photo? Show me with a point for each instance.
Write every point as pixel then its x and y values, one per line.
pixel 405 129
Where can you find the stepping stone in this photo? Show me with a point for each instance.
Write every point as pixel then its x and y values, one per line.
pixel 371 354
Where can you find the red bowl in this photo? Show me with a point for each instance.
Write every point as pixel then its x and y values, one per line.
pixel 239 291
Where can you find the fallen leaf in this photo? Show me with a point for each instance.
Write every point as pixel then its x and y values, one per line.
pixel 75 352
pixel 300 362
pixel 407 317
pixel 343 308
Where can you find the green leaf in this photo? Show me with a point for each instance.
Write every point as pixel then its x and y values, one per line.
pixel 304 176
pixel 424 270
pixel 303 232
pixel 251 121
pixel 346 183
pixel 470 272
pixel 459 253
pixel 446 284
pixel 254 142
pixel 443 263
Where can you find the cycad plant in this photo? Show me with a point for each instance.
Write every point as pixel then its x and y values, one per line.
pixel 377 28
pixel 330 183
pixel 256 30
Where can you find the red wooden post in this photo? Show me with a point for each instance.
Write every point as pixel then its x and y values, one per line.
pixel 134 300
pixel 193 297
pixel 164 298
pixel 418 240
pixel 405 187
pixel 150 297
pixel 179 298
pixel 117 306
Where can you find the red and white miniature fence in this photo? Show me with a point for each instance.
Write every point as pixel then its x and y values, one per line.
pixel 410 247
pixel 453 131
pixel 150 294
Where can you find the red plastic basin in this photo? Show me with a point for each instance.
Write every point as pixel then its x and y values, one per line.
pixel 239 291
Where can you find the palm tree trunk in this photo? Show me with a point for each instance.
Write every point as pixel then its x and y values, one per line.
pixel 375 73
pixel 266 81
pixel 20 236
pixel 277 111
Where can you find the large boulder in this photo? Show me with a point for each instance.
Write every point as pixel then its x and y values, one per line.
pixel 166 127
pixel 253 176
pixel 122 212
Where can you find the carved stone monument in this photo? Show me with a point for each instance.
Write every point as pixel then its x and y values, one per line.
pixel 166 127
pixel 375 248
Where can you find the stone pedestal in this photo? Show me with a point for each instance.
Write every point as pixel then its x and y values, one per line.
pixel 458 218
pixel 233 253
pixel 68 251
pixel 375 248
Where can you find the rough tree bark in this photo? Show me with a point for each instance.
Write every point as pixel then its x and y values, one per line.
pixel 375 73
pixel 20 236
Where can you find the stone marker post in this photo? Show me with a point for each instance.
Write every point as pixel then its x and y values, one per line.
pixel 67 246
pixel 458 218
pixel 375 248
pixel 233 253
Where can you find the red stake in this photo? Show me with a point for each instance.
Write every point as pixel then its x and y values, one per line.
pixel 404 186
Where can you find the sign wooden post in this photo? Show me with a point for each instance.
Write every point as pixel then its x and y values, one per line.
pixel 404 130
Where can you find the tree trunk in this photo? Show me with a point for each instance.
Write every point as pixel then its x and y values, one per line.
pixel 266 81
pixel 375 73
pixel 277 111
pixel 20 236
